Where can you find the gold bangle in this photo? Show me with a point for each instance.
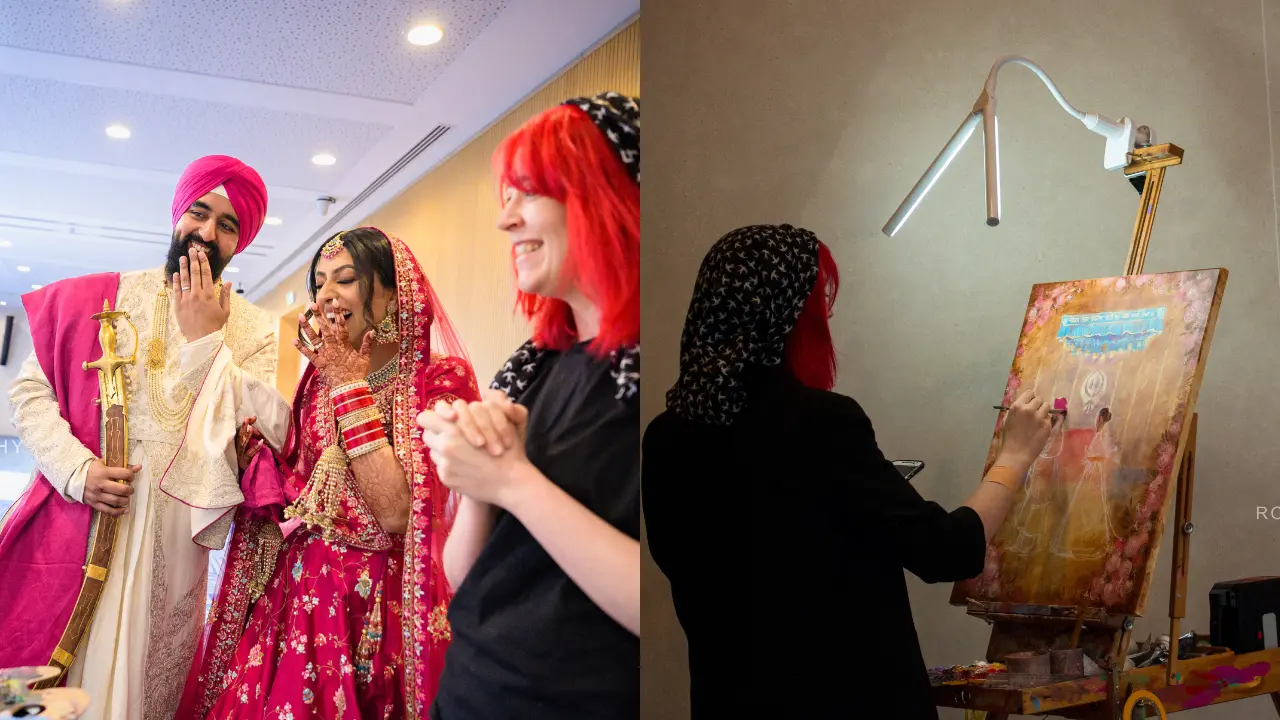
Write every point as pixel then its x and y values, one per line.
pixel 355 417
pixel 368 447
pixel 341 389
pixel 1004 475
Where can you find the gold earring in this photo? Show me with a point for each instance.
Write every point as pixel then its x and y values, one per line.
pixel 388 331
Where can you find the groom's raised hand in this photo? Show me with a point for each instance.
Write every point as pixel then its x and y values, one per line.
pixel 200 309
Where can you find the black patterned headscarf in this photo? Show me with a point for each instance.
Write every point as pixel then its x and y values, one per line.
pixel 751 288
pixel 618 118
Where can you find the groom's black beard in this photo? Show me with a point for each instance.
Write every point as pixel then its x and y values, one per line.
pixel 179 247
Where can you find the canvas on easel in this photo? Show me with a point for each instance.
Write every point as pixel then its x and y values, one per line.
pixel 1128 355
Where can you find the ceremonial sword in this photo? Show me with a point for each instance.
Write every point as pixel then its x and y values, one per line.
pixel 113 400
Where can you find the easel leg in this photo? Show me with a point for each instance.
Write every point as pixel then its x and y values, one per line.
pixel 1275 700
pixel 1181 548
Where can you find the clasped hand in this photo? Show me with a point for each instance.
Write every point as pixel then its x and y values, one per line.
pixel 478 447
pixel 201 311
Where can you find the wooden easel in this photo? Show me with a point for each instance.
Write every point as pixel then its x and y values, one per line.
pixel 1121 693
pixel 1153 161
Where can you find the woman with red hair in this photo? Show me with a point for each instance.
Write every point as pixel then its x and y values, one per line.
pixel 782 528
pixel 544 554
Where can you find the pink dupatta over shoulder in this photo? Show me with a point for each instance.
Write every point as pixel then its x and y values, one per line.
pixel 44 537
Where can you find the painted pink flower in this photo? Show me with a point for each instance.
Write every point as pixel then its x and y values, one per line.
pixel 1113 562
pixel 1045 314
pixel 1154 487
pixel 1155 494
pixel 1121 283
pixel 1126 568
pixel 1022 349
pixel 1095 588
pixel 1128 586
pixel 1110 596
pixel 1131 547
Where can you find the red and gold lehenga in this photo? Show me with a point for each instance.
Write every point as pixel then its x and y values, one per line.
pixel 344 621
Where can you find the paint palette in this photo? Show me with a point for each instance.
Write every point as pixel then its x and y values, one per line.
pixel 19 700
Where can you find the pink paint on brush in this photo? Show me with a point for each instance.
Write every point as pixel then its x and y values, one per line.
pixel 1060 404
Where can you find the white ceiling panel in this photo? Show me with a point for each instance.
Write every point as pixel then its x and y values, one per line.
pixel 68 122
pixel 345 47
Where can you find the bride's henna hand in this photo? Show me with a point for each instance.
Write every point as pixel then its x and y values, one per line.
pixel 335 360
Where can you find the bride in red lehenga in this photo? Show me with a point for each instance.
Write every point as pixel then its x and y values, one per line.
pixel 346 616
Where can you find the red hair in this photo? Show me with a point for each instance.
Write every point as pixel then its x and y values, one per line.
pixel 561 154
pixel 810 355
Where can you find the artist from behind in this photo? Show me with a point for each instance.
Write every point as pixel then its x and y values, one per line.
pixel 781 526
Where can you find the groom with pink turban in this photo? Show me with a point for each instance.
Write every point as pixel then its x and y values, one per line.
pixel 203 355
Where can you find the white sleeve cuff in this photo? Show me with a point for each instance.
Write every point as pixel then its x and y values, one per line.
pixel 75 486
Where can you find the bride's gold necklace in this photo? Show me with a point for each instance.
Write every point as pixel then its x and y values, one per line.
pixel 168 417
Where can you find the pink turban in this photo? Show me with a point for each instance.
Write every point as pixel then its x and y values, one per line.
pixel 241 183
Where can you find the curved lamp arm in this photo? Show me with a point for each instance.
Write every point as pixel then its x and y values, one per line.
pixel 1118 133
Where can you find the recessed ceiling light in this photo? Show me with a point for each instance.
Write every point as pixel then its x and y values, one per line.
pixel 274 221
pixel 23 268
pixel 119 132
pixel 231 269
pixel 324 159
pixel 36 287
pixel 5 243
pixel 425 35
pixel 3 303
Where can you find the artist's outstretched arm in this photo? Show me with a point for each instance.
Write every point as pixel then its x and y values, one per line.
pixel 994 496
pixel 62 458
pixel 936 545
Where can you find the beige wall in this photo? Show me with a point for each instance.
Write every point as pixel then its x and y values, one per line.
pixel 449 217
pixel 824 113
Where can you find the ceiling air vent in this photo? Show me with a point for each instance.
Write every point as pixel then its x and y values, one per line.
pixel 327 229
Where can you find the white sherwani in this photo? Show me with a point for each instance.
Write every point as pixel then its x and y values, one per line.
pixel 134 660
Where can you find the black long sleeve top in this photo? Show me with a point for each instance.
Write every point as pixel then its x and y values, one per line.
pixel 784 537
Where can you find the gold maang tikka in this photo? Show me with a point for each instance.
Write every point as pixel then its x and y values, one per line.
pixel 333 247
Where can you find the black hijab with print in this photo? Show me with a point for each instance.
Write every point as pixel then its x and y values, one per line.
pixel 751 288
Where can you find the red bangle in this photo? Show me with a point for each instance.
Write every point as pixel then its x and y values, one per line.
pixel 365 442
pixel 350 405
pixel 358 431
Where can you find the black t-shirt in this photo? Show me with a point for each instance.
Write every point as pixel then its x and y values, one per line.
pixel 785 536
pixel 528 644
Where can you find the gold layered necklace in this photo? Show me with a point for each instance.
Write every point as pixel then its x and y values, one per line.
pixel 169 417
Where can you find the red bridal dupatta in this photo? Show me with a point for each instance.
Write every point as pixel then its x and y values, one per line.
pixel 423 378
